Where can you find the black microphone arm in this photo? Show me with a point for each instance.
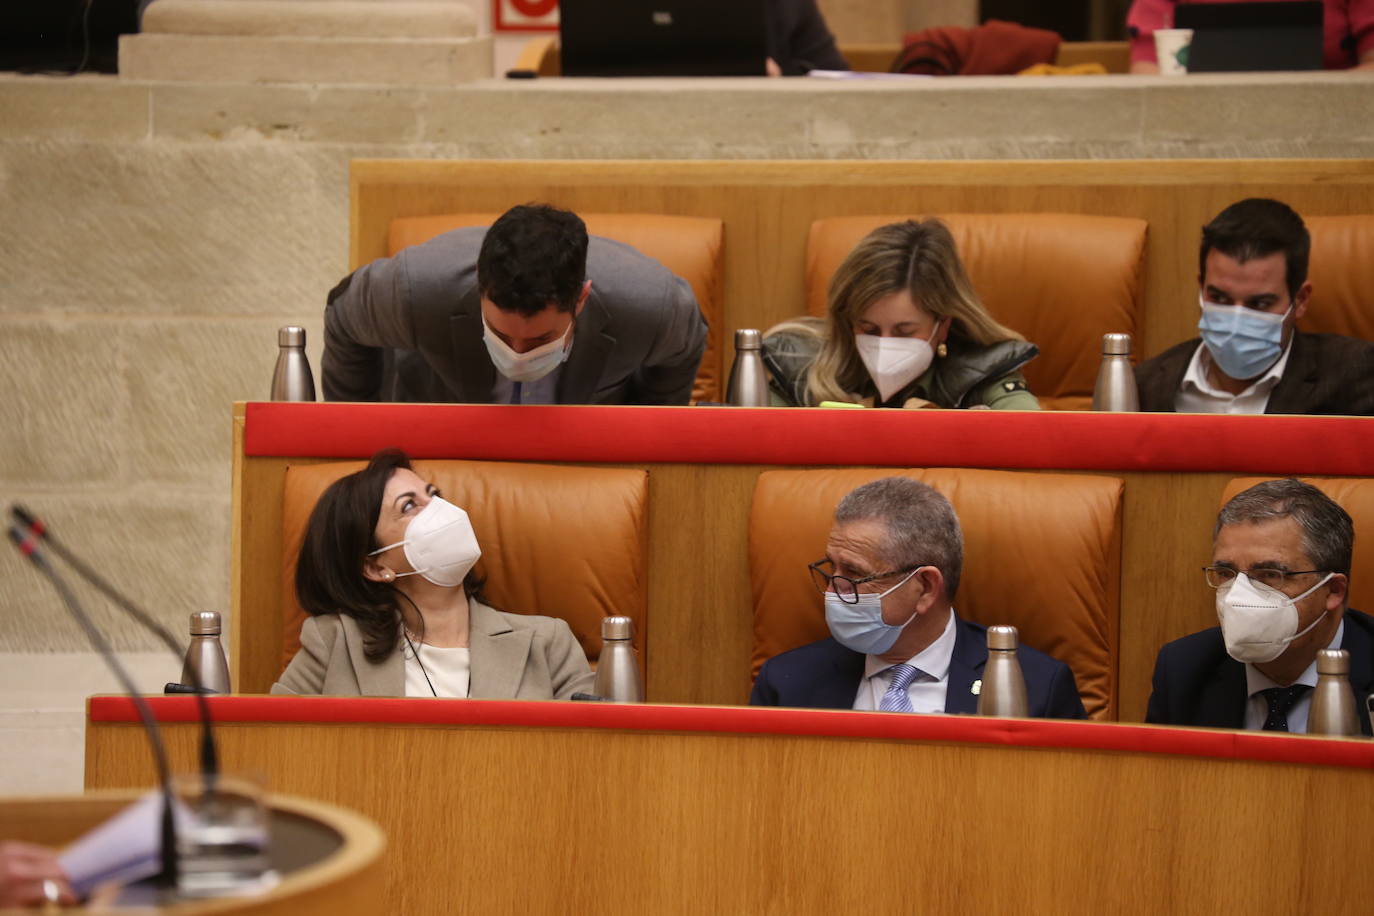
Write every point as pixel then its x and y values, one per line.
pixel 28 546
pixel 37 529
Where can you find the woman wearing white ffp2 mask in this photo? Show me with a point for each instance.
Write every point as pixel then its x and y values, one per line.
pixel 385 571
pixel 904 328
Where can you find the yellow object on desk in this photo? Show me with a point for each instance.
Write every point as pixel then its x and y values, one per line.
pixel 1090 68
pixel 840 404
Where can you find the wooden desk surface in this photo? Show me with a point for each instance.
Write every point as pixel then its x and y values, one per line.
pixel 570 808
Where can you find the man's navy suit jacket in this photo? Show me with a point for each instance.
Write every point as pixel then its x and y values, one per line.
pixel 1197 683
pixel 826 675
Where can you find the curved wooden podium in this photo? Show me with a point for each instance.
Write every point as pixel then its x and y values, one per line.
pixel 505 807
pixel 330 859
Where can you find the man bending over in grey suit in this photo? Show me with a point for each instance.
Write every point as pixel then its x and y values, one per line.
pixel 530 311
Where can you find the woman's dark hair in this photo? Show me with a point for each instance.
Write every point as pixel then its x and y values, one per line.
pixel 338 538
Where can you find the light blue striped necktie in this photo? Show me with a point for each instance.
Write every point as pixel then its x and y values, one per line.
pixel 896 700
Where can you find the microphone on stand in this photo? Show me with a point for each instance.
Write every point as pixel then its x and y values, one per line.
pixel 27 543
pixel 37 530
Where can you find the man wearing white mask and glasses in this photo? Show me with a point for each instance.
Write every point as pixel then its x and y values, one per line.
pixel 889 576
pixel 530 311
pixel 1281 569
pixel 1251 358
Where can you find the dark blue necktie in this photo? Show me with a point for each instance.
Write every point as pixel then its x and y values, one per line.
pixel 1281 700
pixel 515 394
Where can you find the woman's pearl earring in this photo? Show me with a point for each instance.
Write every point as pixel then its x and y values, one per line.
pixel 388 575
pixel 942 351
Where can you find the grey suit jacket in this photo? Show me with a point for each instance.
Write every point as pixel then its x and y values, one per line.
pixel 1326 374
pixel 409 328
pixel 513 657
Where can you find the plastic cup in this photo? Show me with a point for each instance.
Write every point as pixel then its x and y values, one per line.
pixel 1171 47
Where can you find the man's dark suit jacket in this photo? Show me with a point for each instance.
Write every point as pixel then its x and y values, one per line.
pixel 1197 683
pixel 826 675
pixel 1326 374
pixel 799 40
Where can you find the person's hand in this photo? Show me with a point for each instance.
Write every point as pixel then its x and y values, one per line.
pixel 30 876
pixel 771 68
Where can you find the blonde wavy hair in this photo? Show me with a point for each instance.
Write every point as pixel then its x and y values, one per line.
pixel 918 256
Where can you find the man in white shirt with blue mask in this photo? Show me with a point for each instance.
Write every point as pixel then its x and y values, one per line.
pixel 1281 569
pixel 529 311
pixel 1250 357
pixel 892 567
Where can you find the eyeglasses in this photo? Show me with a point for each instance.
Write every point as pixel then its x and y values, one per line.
pixel 847 589
pixel 1217 576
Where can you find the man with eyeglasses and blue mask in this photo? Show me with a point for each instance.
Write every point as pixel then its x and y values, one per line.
pixel 529 311
pixel 891 570
pixel 1281 569
pixel 1251 358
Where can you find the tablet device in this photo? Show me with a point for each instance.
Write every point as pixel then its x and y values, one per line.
pixel 1252 36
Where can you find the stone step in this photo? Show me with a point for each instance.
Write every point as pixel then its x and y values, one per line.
pixel 281 59
pixel 423 19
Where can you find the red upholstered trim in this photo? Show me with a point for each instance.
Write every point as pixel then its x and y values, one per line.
pixel 1042 733
pixel 791 436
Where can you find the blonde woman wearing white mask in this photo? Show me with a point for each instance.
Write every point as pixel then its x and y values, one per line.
pixel 904 329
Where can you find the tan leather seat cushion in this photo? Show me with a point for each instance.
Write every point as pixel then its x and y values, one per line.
pixel 1342 274
pixel 689 246
pixel 564 542
pixel 1060 279
pixel 1356 496
pixel 1041 552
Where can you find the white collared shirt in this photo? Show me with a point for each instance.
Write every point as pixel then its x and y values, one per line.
pixel 1197 394
pixel 927 692
pixel 540 391
pixel 1257 708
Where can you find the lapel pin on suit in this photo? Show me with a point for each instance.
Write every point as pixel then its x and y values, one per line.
pixel 976 687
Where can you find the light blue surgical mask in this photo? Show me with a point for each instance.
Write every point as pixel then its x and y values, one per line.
pixel 1243 342
pixel 860 626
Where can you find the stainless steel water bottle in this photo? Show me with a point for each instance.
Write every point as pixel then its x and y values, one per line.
pixel 1333 702
pixel 1116 389
pixel 748 376
pixel 205 663
pixel 1004 687
pixel 617 671
pixel 292 379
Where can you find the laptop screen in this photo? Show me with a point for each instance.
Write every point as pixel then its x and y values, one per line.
pixel 663 37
